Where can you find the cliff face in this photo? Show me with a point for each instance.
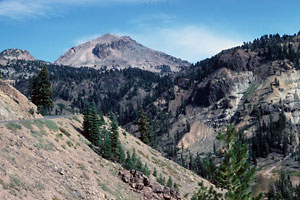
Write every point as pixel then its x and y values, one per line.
pixel 233 87
pixel 114 52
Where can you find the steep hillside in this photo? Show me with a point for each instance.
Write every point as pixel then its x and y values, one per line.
pixel 113 52
pixel 50 159
pixel 14 105
pixel 45 159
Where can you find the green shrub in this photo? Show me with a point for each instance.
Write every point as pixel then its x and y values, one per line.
pixel 69 143
pixel 51 125
pixel 13 126
pixel 31 111
pixel 64 131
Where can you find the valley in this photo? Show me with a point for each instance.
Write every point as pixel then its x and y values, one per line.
pixel 254 87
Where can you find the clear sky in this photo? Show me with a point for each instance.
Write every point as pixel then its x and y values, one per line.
pixel 188 29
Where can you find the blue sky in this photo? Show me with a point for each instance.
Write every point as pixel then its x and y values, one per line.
pixel 188 29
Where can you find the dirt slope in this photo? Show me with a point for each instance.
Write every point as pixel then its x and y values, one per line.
pixel 14 105
pixel 51 160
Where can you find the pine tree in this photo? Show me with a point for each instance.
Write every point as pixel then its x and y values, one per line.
pixel 282 189
pixel 139 165
pixel 86 119
pixel 40 91
pixel 154 172
pixel 170 182
pixel 128 162
pixel 160 179
pixel 94 125
pixel 145 128
pixel 146 170
pixel 122 156
pixel 134 159
pixel 234 173
pixel 175 185
pixel 114 132
pixel 107 150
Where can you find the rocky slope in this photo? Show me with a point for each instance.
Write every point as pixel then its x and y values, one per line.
pixel 50 159
pixel 113 52
pixel 14 54
pixel 14 105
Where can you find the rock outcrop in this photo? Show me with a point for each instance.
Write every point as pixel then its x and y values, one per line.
pixel 150 191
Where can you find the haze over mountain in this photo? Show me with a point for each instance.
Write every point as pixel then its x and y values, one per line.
pixel 114 52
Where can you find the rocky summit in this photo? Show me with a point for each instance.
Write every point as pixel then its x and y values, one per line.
pixel 114 52
pixel 15 54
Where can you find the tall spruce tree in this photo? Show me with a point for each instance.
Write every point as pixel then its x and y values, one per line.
pixel 94 133
pixel 86 119
pixel 40 91
pixel 114 133
pixel 145 128
pixel 107 150
pixel 234 173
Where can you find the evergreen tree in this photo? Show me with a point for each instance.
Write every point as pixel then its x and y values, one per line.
pixel 170 182
pixel 128 162
pixel 234 173
pixel 40 91
pixel 139 165
pixel 114 132
pixel 175 185
pixel 146 170
pixel 86 119
pixel 94 123
pixel 154 172
pixel 134 159
pixel 145 128
pixel 282 189
pixel 160 179
pixel 122 156
pixel 107 150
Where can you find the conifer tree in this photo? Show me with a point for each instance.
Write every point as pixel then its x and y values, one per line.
pixel 86 119
pixel 154 172
pixel 114 133
pixel 107 150
pixel 94 123
pixel 122 156
pixel 145 128
pixel 139 165
pixel 234 173
pixel 40 91
pixel 128 162
pixel 146 170
pixel 282 189
pixel 170 182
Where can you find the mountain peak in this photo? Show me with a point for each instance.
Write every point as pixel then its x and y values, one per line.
pixel 111 51
pixel 108 37
pixel 16 54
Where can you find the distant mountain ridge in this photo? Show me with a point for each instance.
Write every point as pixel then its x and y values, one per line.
pixel 114 52
pixel 15 54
